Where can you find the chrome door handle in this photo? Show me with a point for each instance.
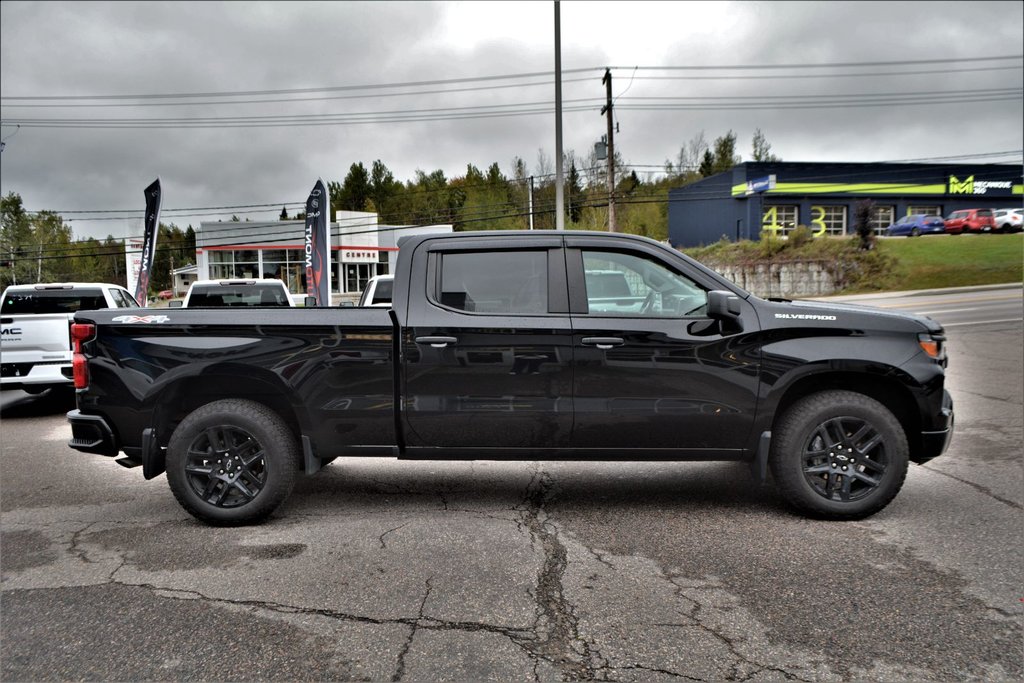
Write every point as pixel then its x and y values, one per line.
pixel 603 342
pixel 436 342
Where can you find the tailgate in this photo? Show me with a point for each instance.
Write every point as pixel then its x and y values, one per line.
pixel 31 336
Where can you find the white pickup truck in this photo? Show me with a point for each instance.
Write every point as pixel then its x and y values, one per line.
pixel 35 330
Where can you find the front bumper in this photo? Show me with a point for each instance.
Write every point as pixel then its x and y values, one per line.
pixel 92 434
pixel 935 443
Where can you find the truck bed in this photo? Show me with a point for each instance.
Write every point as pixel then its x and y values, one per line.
pixel 333 367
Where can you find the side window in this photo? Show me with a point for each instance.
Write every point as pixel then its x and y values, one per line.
pixel 620 284
pixel 495 281
pixel 123 299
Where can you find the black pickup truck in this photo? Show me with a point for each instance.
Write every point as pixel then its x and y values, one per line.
pixel 518 345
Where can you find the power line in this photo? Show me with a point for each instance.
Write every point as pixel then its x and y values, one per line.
pixel 294 91
pixel 823 65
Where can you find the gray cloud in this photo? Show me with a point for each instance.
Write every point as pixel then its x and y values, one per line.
pixel 132 48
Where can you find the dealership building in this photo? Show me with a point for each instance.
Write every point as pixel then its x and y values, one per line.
pixel 360 249
pixel 775 197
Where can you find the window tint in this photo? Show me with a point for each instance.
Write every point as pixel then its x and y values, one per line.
pixel 42 301
pixel 495 281
pixel 382 292
pixel 123 299
pixel 632 285
pixel 237 295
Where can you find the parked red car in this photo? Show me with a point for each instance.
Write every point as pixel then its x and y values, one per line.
pixel 166 294
pixel 970 220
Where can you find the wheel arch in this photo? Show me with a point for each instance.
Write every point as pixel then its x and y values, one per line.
pixel 886 389
pixel 180 398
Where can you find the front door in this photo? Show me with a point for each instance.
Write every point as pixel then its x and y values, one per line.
pixel 652 371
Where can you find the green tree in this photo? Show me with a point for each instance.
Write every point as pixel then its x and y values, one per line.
pixel 862 212
pixel 762 150
pixel 574 190
pixel 355 190
pixel 384 191
pixel 707 164
pixel 725 153
pixel 15 240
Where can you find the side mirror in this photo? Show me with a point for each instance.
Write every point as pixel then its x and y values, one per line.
pixel 346 304
pixel 175 304
pixel 309 302
pixel 725 307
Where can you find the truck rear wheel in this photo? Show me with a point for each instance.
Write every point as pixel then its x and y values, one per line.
pixel 232 462
pixel 839 455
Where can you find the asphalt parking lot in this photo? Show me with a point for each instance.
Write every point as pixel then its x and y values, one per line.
pixel 378 569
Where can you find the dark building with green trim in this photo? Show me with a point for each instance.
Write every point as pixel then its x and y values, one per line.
pixel 777 196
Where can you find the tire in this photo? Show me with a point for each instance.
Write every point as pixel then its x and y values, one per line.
pixel 915 232
pixel 839 455
pixel 232 462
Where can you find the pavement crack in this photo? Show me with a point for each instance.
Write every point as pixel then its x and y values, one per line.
pixel 557 626
pixel 977 487
pixel 400 667
pixel 380 538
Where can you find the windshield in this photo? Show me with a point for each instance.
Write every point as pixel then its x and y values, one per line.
pixel 237 295
pixel 41 301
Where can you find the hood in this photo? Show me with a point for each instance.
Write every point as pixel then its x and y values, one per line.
pixel 784 313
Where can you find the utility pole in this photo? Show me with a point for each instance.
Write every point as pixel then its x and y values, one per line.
pixel 607 109
pixel 559 189
pixel 531 202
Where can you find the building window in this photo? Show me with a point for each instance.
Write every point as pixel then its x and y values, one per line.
pixel 924 210
pixel 828 220
pixel 357 275
pixel 881 218
pixel 779 220
pixel 287 265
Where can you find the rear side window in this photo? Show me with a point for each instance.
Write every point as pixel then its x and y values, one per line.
pixel 42 301
pixel 503 282
pixel 382 292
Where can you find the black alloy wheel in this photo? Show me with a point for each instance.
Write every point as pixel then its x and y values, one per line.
pixel 232 462
pixel 226 466
pixel 845 459
pixel 839 454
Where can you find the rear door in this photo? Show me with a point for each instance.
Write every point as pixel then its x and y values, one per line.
pixel 652 371
pixel 488 349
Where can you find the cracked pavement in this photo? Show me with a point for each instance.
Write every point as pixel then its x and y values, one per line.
pixel 386 570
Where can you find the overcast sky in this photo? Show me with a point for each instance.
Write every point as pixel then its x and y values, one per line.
pixel 59 50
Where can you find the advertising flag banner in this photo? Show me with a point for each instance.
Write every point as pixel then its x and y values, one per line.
pixel 148 241
pixel 318 245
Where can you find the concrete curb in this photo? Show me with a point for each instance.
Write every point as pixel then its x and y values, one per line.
pixel 921 292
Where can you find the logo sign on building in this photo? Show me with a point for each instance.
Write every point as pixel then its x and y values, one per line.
pixel 317 245
pixel 148 255
pixel 359 255
pixel 761 184
pixel 996 188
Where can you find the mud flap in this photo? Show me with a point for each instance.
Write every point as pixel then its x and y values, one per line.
pixel 154 460
pixel 759 465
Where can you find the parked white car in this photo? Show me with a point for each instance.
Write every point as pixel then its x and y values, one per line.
pixel 378 291
pixel 1009 220
pixel 35 330
pixel 217 293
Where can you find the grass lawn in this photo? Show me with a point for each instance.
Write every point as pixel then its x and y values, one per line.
pixel 954 261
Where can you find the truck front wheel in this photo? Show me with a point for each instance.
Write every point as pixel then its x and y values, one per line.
pixel 232 462
pixel 839 455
